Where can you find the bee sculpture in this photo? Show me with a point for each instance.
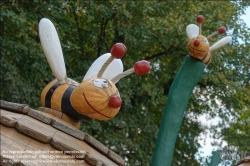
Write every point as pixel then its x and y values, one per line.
pixel 198 44
pixel 182 87
pixel 96 97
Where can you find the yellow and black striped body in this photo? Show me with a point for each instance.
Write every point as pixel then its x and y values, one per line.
pixel 57 96
pixel 88 100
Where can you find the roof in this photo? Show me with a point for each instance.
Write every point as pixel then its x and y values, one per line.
pixel 33 137
pixel 243 162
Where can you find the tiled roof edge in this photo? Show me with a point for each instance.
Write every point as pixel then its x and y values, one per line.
pixel 66 128
pixel 244 160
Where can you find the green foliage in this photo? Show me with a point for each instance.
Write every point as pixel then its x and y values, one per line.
pixel 151 30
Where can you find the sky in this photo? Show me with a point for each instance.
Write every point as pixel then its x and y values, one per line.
pixel 246 17
pixel 206 147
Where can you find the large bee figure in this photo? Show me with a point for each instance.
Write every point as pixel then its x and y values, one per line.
pixel 96 96
pixel 198 44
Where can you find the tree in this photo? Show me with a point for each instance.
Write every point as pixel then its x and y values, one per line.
pixel 151 30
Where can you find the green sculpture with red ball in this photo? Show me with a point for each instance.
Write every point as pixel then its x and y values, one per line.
pixel 185 81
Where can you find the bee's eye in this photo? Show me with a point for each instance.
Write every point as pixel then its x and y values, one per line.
pixel 206 41
pixel 101 83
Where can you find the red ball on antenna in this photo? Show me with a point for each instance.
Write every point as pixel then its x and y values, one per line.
pixel 200 19
pixel 221 30
pixel 118 50
pixel 141 67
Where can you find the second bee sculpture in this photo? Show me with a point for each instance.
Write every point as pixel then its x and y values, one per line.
pixel 198 44
pixel 181 88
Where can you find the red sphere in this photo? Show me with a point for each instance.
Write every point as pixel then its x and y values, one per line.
pixel 115 102
pixel 200 19
pixel 118 50
pixel 221 30
pixel 141 67
pixel 197 42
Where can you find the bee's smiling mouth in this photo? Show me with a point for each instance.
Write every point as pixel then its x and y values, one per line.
pixel 195 49
pixel 85 98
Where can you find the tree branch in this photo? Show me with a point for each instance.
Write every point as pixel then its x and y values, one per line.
pixel 79 33
pixel 102 34
pixel 159 54
pixel 99 47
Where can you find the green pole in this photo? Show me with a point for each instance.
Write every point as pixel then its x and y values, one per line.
pixel 215 160
pixel 179 93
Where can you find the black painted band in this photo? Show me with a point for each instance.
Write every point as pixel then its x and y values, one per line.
pixel 68 109
pixel 204 57
pixel 49 95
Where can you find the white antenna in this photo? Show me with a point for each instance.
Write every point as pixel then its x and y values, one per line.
pixel 220 43
pixel 52 49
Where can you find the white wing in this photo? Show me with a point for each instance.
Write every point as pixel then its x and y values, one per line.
pixel 52 49
pixel 220 43
pixel 192 31
pixel 114 68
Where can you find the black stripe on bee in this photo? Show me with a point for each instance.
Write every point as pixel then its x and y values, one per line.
pixel 49 95
pixel 204 57
pixel 209 60
pixel 67 107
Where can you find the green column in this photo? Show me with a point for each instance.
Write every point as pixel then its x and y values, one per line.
pixel 179 93
pixel 215 160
